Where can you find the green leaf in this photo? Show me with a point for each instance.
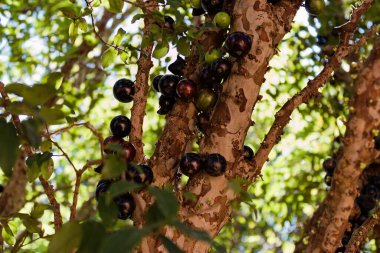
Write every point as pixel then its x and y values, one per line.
pixel 31 129
pixel 115 6
pixel 92 236
pixel 119 37
pixel 68 12
pixel 113 166
pixel 167 202
pixel 109 57
pixel 137 17
pixel 38 210
pixel 7 234
pixel 183 46
pixel 66 239
pixel 39 94
pixel 169 245
pixel 55 79
pixel 19 108
pixel 122 241
pixel 73 31
pixel 194 233
pixel 35 164
pixel 161 50
pixel 32 225
pixel 107 211
pixel 47 169
pixel 17 88
pixel 52 115
pixel 9 143
pixel 82 24
pixel 120 188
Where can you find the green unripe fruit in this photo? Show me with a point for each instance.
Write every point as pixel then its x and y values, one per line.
pixel 222 20
pixel 205 100
pixel 315 7
pixel 46 146
pixel 212 56
pixel 195 4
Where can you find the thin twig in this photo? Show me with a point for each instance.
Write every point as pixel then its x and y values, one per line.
pixel 53 201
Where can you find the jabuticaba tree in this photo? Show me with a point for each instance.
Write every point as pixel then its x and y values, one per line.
pixel 159 160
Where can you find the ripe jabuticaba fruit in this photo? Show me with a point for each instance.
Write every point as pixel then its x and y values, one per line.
pixel 273 1
pixel 141 174
pixel 167 85
pixel 205 100
pixel 129 151
pixel 110 144
pixel 166 104
pixel 155 82
pixel 238 44
pixel 212 6
pixel 120 126
pixel 169 22
pixel 371 190
pixel 315 7
pixel 124 90
pixel 248 153
pixel 377 142
pixel 207 77
pixel 99 168
pixel 178 66
pixel 215 165
pixel 198 12
pixel 190 164
pixel 126 206
pixel 202 121
pixel 1 188
pixel 221 68
pixel 366 203
pixel 329 165
pixel 186 89
pixel 102 187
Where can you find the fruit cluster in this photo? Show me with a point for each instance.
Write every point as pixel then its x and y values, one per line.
pixel 329 165
pixel 115 145
pixel 216 69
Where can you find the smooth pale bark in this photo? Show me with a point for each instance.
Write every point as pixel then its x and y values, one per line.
pixel 358 150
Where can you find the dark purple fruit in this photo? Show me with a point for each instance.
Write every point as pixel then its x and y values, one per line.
pixel 186 89
pixel 1 188
pixel 215 165
pixel 273 1
pixel 190 164
pixel 221 68
pixel 366 203
pixel 238 44
pixel 322 40
pixel 329 165
pixel 126 206
pixel 178 66
pixel 212 6
pixel 99 168
pixel 167 85
pixel 207 77
pixel 198 12
pixel 102 187
pixel 205 100
pixel 377 142
pixel 169 22
pixel 155 82
pixel 124 90
pixel 203 120
pixel 248 153
pixel 120 126
pixel 129 151
pixel 328 180
pixel 166 104
pixel 141 174
pixel 371 190
pixel 110 144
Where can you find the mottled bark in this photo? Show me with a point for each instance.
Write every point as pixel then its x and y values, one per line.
pixel 358 149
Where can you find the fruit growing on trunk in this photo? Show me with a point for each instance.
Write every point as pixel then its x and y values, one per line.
pixel 238 44
pixel 329 165
pixel 205 100
pixel 111 144
pixel 186 89
pixel 222 20
pixel 169 22
pixel 212 55
pixel 190 164
pixel 315 7
pixel 141 174
pixel 126 206
pixel 377 142
pixel 248 153
pixel 155 82
pixel 167 84
pixel 202 121
pixel 215 165
pixel 124 90
pixel 166 104
pixel 207 77
pixel 198 12
pixel 212 6
pixel 178 66
pixel 129 151
pixel 102 187
pixel 221 68
pixel 120 126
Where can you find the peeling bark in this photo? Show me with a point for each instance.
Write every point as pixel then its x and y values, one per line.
pixel 358 149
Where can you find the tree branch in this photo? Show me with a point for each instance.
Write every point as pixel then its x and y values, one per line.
pixel 140 98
